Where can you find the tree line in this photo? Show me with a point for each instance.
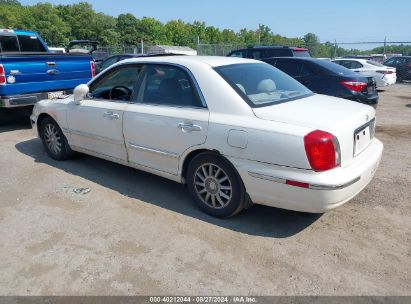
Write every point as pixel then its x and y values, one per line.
pixel 58 24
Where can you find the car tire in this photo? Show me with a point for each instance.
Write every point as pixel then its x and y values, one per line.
pixel 54 141
pixel 215 185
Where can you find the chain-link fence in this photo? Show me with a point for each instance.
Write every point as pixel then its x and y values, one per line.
pixel 382 49
pixel 141 48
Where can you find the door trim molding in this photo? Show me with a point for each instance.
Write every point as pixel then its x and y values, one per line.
pixel 95 137
pixel 152 150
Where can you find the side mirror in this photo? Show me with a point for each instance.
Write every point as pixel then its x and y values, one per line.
pixel 80 92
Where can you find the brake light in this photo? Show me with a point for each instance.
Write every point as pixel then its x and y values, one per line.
pixel 93 69
pixel 2 75
pixel 297 49
pixel 385 72
pixel 323 150
pixel 356 86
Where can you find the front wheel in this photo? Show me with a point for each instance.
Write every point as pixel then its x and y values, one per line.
pixel 54 141
pixel 215 185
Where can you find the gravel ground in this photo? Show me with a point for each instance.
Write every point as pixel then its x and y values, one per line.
pixel 137 234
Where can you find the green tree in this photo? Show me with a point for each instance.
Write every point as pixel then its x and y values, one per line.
pixel 10 2
pixel 177 33
pixel 81 18
pixel 151 30
pixel 311 42
pixel 127 26
pixel 44 19
pixel 11 16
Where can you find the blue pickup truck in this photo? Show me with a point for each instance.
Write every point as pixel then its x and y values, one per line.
pixel 29 72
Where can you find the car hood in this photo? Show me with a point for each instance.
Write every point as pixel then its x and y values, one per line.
pixel 318 112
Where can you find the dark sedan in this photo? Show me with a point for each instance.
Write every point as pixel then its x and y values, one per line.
pixel 324 77
pixel 402 65
pixel 112 60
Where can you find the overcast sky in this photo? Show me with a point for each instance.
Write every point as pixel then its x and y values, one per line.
pixel 346 21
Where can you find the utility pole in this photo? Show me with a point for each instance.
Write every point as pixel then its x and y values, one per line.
pixel 259 34
pixel 142 46
pixel 335 48
pixel 385 44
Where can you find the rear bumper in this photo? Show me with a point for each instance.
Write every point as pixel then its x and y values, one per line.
pixel 365 99
pixel 266 183
pixel 22 100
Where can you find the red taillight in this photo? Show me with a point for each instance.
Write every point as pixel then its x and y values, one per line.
pixel 296 184
pixel 385 72
pixel 93 69
pixel 356 86
pixel 322 149
pixel 2 75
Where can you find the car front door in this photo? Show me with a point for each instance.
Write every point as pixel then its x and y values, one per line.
pixel 167 116
pixel 96 125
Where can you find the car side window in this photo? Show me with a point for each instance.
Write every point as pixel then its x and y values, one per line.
pixel 117 84
pixel 306 71
pixel 240 54
pixel 356 65
pixel 166 85
pixel 291 67
pixel 255 55
pixel 390 61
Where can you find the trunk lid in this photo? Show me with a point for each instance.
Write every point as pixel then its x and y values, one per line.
pixel 340 117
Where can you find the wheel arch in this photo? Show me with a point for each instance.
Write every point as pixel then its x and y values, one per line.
pixel 40 119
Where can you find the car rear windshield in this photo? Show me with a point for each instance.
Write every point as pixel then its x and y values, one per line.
pixel 9 44
pixel 30 44
pixel 301 53
pixel 261 84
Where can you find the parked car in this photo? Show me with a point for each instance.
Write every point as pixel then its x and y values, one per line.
pixel 261 52
pixel 233 130
pixel 116 58
pixel 402 65
pixel 29 72
pixel 112 60
pixel 380 58
pixel 324 77
pixel 383 75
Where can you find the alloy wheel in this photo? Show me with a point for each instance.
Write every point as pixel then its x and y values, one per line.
pixel 212 186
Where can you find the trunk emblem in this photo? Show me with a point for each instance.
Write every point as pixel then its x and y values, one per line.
pixel 11 79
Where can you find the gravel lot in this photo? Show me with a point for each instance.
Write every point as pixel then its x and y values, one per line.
pixel 135 233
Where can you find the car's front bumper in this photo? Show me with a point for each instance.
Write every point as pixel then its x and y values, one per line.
pixel 266 183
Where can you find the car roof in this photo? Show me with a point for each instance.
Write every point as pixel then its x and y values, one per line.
pixel 295 58
pixel 213 61
pixel 354 59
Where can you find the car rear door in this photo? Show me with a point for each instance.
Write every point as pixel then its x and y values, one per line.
pixel 167 117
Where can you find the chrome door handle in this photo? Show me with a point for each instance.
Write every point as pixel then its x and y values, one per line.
pixel 111 115
pixel 52 72
pixel 50 63
pixel 188 127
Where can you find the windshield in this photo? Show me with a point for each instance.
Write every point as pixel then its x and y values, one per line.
pixel 262 84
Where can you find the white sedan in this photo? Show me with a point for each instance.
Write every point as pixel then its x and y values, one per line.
pixel 383 75
pixel 235 131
